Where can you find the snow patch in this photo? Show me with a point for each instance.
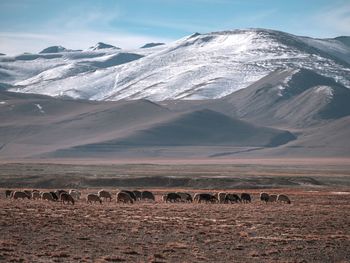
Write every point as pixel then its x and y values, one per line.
pixel 326 90
pixel 40 108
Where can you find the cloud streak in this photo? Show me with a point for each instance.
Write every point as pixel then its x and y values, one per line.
pixel 334 19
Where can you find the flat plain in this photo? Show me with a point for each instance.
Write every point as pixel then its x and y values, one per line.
pixel 314 228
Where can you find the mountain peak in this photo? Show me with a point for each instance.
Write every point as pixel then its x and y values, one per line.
pixel 101 45
pixel 54 49
pixel 149 45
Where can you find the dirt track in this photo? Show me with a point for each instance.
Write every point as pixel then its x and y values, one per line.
pixel 314 228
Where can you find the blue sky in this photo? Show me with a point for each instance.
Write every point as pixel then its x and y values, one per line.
pixel 31 25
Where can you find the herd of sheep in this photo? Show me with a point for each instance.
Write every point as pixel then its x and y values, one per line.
pixel 126 196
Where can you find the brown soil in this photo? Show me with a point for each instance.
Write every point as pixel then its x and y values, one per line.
pixel 314 228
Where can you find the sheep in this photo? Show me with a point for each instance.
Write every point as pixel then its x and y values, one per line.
pixel 20 195
pixel 137 194
pixel 172 198
pixel 8 193
pixel 28 193
pixel 105 195
pixel 147 195
pixel 59 192
pixel 93 198
pixel 124 197
pixel 232 198
pixel 130 193
pixel 36 195
pixel 246 198
pixel 75 194
pixel 54 196
pixel 272 198
pixel 185 197
pixel 221 196
pixel 264 197
pixel 283 198
pixel 65 197
pixel 47 196
pixel 206 198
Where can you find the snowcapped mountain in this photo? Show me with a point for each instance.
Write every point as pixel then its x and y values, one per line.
pixel 148 45
pixel 201 66
pixel 54 49
pixel 101 45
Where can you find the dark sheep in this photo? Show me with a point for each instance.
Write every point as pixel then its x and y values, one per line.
pixel 54 196
pixel 185 197
pixel 172 198
pixel 36 195
pixel 147 195
pixel 20 195
pixel 207 198
pixel 283 199
pixel 264 197
pixel 232 198
pixel 47 196
pixel 93 198
pixel 130 193
pixel 137 194
pixel 105 194
pixel 246 198
pixel 28 193
pixel 66 198
pixel 272 198
pixel 59 192
pixel 124 197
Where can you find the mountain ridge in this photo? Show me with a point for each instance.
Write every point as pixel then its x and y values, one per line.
pixel 199 66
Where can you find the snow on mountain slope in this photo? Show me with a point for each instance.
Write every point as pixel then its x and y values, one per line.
pixel 54 49
pixel 201 66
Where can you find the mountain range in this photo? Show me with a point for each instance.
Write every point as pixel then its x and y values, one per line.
pixel 242 93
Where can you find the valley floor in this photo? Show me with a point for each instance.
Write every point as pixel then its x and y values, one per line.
pixel 314 228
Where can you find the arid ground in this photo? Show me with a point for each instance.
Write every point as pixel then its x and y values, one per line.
pixel 314 228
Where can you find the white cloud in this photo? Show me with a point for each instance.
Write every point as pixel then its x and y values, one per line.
pixel 335 19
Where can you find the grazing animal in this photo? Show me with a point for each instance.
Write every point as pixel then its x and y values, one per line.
pixel 59 192
pixel 147 195
pixel 36 195
pixel 28 193
pixel 130 193
pixel 47 196
pixel 246 198
pixel 272 198
pixel 264 197
pixel 283 199
pixel 75 194
pixel 172 198
pixel 93 198
pixel 54 196
pixel 232 198
pixel 105 195
pixel 66 198
pixel 8 193
pixel 185 197
pixel 137 194
pixel 124 197
pixel 20 195
pixel 221 197
pixel 207 198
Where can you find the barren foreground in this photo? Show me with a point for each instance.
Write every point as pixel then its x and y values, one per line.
pixel 314 228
